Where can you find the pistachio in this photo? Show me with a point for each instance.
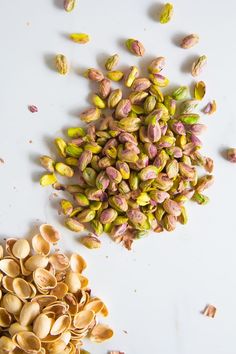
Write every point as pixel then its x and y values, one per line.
pixel 200 90
pixel 48 163
pixel 80 38
pixel 104 88
pixel 61 146
pixel 94 75
pixel 188 106
pixel 48 179
pixel 148 172
pixel 131 75
pixel 90 115
pixel 98 102
pixel 69 5
pixel 169 222
pixel 159 80
pixel 204 182
pixel 231 155
pixel 73 150
pixel 166 13
pixel 135 47
pixel 90 242
pixel 123 168
pixel 189 41
pixel 200 198
pixel 181 93
pixel 66 207
pixel 84 160
pixel 74 225
pixel 113 174
pixel 114 98
pixel 81 199
pixel 189 118
pixel 119 203
pixel 115 75
pixel 155 91
pixel 198 66
pixel 138 219
pixel 157 65
pixel 149 104
pixel 86 215
pixel 172 207
pixel 140 84
pixel 123 108
pixel 108 215
pixel 64 170
pixel 210 108
pixel 112 61
pixel 61 64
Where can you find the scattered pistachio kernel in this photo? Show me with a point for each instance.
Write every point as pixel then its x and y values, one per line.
pixel 210 108
pixel 62 64
pixel 199 65
pixel 48 179
pixel 115 75
pixel 69 5
pixel 189 41
pixel 112 62
pixel 81 38
pixel 231 155
pixel 135 47
pixel 166 13
pixel 199 90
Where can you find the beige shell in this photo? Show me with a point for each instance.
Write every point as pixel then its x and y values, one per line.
pixel 60 325
pixel 59 261
pixel 84 281
pixel 27 341
pixel 44 300
pixel 6 344
pixel 1 252
pixel 40 245
pixel 21 249
pixel 22 288
pixel 25 272
pixel 77 263
pixel 7 283
pixel 60 290
pixel 9 244
pixel 56 347
pixel 96 306
pixel 36 261
pixel 66 336
pixel 5 318
pixel 10 267
pixel 49 233
pixel 44 279
pixel 16 328
pixel 101 333
pixel 83 319
pixel 42 326
pixel 58 308
pixel 29 312
pixel 12 303
pixel 72 280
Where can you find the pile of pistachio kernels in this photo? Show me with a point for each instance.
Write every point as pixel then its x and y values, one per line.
pixel 136 163
pixel 46 303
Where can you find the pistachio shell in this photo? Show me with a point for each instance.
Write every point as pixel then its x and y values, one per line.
pixel 60 290
pixel 12 304
pixel 28 342
pixel 73 282
pixel 49 233
pixel 44 279
pixel 10 267
pixel 60 325
pixel 6 344
pixel 59 261
pixel 5 318
pixel 21 288
pixel 77 263
pixel 83 319
pixel 21 249
pixel 42 326
pixel 40 245
pixel 101 333
pixel 28 313
pixel 35 262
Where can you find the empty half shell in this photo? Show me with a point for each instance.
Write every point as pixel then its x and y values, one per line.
pixel 44 279
pixel 49 233
pixel 83 319
pixel 101 333
pixel 77 263
pixel 21 249
pixel 27 341
pixel 10 267
pixel 40 245
pixel 59 261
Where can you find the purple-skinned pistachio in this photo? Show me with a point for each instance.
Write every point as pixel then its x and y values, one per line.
pixel 196 129
pixel 86 215
pixel 178 128
pixel 154 116
pixel 186 170
pixel 210 108
pixel 136 98
pixel 96 194
pixel 91 132
pixel 119 203
pixel 127 138
pixel 163 182
pixel 84 159
pixel 159 80
pixel 151 150
pixel 153 131
pixel 166 142
pixel 78 141
pixel 102 181
pixel 105 162
pixel 104 123
pixel 108 216
pixel 112 187
pixel 123 168
pixel 118 230
pixel 148 172
pixel 81 199
pixel 175 151
pixel 132 147
pixel 204 182
pixel 141 163
pixel 129 124
pixel 109 148
pixel 231 155
pixel 114 98
pixel 172 168
pixel 171 207
pixel 104 88
pixel 123 187
pixel 126 155
pixel 94 75
pixel 157 65
pixel 135 47
pixel 195 140
pixel 159 196
pixel 138 219
pixel 123 108
pixel 161 160
pixel 114 174
pixel 140 84
pixel 190 148
pixel 169 222
pixel 143 135
pixel 152 221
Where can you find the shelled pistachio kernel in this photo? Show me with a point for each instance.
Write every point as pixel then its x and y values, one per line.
pixel 166 13
pixel 62 64
pixel 45 299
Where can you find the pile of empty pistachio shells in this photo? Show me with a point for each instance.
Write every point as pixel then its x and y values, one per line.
pixel 46 304
pixel 136 163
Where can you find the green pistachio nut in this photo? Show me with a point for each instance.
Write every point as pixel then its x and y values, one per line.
pixel 66 207
pixel 74 225
pixel 86 215
pixel 73 150
pixel 48 163
pixel 61 146
pixel 81 199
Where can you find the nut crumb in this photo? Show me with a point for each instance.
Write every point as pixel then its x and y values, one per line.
pixel 209 311
pixel 30 141
pixel 33 109
pixel 2 161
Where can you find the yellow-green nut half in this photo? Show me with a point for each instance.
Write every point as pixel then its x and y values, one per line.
pixel 48 179
pixel 148 172
pixel 131 75
pixel 135 47
pixel 98 101
pixel 64 170
pixel 166 13
pixel 61 146
pixel 66 207
pixel 90 115
pixel 86 215
pixel 81 199
pixel 115 75
pixel 74 225
pixel 112 61
pixel 114 98
pixel 62 64
pixel 73 150
pixel 90 242
pixel 118 202
pixel 97 227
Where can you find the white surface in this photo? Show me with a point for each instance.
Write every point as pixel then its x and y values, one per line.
pixel 156 291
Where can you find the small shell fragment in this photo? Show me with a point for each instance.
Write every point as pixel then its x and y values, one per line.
pixel 209 311
pixel 40 245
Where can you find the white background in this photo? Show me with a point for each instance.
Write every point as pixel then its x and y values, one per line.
pixel 156 291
